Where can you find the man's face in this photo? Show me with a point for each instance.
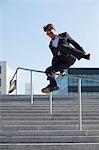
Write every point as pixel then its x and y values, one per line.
pixel 51 33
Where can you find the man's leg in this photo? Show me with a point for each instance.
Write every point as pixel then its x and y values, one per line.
pixel 66 66
pixel 66 49
pixel 50 72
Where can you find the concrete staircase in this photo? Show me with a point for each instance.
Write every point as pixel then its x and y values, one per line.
pixel 31 127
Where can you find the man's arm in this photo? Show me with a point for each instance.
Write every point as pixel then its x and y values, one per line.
pixel 74 43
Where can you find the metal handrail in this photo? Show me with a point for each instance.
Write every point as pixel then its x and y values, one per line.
pixel 79 78
pixel 68 75
pixel 26 70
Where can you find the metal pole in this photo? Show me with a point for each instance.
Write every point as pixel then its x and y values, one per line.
pixel 51 94
pixel 31 88
pixel 80 104
pixel 16 83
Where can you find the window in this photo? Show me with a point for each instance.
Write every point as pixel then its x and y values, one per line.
pixel 0 69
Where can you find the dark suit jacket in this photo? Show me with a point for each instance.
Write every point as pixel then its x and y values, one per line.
pixel 64 38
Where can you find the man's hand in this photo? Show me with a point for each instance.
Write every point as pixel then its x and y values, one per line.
pixel 62 74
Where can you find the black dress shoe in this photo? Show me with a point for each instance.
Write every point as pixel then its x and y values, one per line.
pixel 49 89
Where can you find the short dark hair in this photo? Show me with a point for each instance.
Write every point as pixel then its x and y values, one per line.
pixel 48 27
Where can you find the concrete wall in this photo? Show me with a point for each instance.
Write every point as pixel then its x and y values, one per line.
pixel 3 75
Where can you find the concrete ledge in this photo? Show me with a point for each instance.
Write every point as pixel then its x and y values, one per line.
pixel 50 146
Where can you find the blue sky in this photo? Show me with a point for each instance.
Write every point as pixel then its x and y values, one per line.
pixel 23 42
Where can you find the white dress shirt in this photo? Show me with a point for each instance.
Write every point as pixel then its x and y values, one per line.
pixel 55 41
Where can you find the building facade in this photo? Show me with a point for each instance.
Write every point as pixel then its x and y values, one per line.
pixel 3 77
pixel 28 88
pixel 69 86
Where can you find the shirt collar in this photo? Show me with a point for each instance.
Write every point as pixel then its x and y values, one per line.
pixel 55 37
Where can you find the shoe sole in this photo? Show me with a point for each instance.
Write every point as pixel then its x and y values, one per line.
pixel 46 90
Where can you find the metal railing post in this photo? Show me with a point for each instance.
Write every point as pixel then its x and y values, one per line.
pixel 80 104
pixel 31 82
pixel 16 83
pixel 51 96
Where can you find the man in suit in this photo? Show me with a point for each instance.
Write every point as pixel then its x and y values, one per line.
pixel 65 52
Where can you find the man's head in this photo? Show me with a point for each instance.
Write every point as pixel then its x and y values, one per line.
pixel 50 30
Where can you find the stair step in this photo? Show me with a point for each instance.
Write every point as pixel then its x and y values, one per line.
pixel 44 133
pixel 50 139
pixel 50 146
pixel 48 122
pixel 49 127
pixel 49 133
pixel 37 117
pixel 41 122
pixel 47 117
pixel 40 127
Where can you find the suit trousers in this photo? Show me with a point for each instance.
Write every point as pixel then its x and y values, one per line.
pixel 58 65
